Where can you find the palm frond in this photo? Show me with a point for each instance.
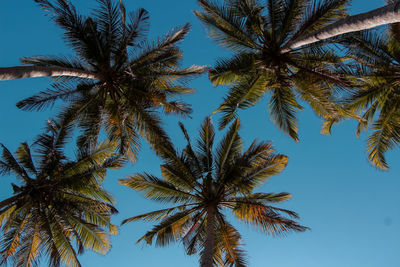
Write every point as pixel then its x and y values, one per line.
pixel 227 71
pixel 169 229
pixel 157 215
pixel 25 158
pixel 264 198
pixel 229 147
pixel 386 135
pixel 225 27
pixel 230 240
pixel 259 173
pixel 9 164
pixel 156 188
pixel 283 107
pixel 266 219
pixel 205 145
pixel 246 93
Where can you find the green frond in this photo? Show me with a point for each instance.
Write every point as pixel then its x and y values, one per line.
pixel 87 160
pixel 169 229
pixel 90 127
pixel 10 240
pixel 108 17
pixel 205 144
pixel 149 126
pixel 264 198
pixel 225 27
pixel 100 219
pixel 93 237
pixel 290 19
pixel 47 99
pixel 192 157
pixel 266 219
pixel 230 242
pixel 134 27
pixel 184 74
pixel 162 48
pixel 259 173
pixel 252 12
pixel 157 189
pixel 227 71
pixel 386 135
pixel 327 125
pixel 245 93
pixel 368 47
pixel 6 213
pixel 93 196
pixel 156 215
pixel 194 237
pixel 376 98
pixel 257 153
pixel 229 147
pixel 177 107
pixel 54 139
pixel 178 173
pixel 368 117
pixel 123 131
pixel 62 242
pixel 283 107
pixel 275 17
pixel 25 158
pixel 10 164
pixel 29 251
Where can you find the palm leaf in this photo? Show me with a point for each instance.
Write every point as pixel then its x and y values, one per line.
pixel 283 107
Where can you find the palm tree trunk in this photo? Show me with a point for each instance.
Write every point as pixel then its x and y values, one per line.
pixel 377 17
pixel 207 256
pixel 9 201
pixel 20 72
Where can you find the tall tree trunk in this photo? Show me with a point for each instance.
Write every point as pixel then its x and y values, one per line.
pixel 9 201
pixel 20 72
pixel 207 256
pixel 377 17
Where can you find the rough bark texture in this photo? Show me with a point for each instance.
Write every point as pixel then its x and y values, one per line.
pixel 384 15
pixel 207 256
pixel 20 72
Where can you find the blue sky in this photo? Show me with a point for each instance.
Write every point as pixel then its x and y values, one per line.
pixel 352 208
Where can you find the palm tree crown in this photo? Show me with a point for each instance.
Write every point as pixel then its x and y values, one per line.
pixel 204 183
pixel 261 34
pixel 59 208
pixel 135 77
pixel 377 97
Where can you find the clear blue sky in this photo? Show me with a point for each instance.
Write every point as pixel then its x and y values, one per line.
pixel 352 208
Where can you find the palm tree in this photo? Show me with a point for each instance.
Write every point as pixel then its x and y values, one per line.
pixel 59 208
pixel 202 184
pixel 133 77
pixel 377 97
pixel 261 34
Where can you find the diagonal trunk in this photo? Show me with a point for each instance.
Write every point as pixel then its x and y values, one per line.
pixel 9 201
pixel 377 17
pixel 207 255
pixel 20 72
